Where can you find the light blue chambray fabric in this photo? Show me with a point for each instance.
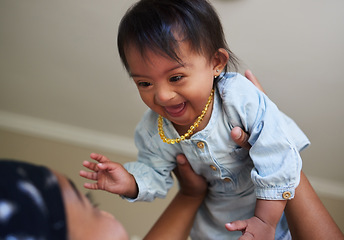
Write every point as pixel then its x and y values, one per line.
pixel 271 167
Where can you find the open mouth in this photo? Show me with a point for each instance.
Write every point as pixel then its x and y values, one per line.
pixel 175 110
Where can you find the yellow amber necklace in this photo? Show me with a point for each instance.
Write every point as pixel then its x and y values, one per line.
pixel 191 129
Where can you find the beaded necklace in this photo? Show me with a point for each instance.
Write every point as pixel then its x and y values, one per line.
pixel 191 129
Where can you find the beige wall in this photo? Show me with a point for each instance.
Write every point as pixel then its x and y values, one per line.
pixel 59 62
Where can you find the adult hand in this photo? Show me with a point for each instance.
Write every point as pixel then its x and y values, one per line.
pixel 237 134
pixel 191 184
pixel 176 221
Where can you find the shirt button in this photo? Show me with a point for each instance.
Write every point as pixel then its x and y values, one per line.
pixel 213 167
pixel 200 145
pixel 227 179
pixel 286 195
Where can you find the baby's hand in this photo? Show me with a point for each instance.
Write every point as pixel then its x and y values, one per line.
pixel 252 228
pixel 109 176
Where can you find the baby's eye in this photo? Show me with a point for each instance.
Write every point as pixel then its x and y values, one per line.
pixel 143 84
pixel 175 78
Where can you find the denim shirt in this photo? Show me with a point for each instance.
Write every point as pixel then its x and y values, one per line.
pixel 236 176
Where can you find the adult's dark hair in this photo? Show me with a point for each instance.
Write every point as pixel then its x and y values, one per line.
pixel 158 25
pixel 31 202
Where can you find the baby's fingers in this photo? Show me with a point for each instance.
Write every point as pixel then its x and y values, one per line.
pixel 89 175
pixel 240 226
pixel 236 226
pixel 246 236
pixel 92 186
pixel 108 166
pixel 100 158
pixel 90 165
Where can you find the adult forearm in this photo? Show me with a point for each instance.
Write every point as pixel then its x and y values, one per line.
pixel 307 217
pixel 176 221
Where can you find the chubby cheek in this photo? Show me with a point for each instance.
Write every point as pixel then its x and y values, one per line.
pixel 148 99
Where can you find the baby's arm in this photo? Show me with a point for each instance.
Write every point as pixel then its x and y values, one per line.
pixel 109 176
pixel 267 212
pixel 263 224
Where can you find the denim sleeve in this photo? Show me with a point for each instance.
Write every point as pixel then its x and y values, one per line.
pixel 274 152
pixel 300 139
pixel 152 170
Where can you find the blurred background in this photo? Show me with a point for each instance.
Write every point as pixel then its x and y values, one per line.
pixel 65 94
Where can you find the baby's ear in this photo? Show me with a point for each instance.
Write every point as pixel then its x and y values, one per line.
pixel 220 60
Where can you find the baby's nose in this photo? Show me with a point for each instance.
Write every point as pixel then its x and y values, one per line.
pixel 164 95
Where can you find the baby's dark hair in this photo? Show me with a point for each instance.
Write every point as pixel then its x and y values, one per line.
pixel 158 25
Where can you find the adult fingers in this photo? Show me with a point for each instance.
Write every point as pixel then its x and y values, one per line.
pixel 183 167
pixel 249 75
pixel 190 182
pixel 240 137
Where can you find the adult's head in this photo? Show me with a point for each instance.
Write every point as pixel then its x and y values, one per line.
pixel 37 203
